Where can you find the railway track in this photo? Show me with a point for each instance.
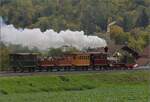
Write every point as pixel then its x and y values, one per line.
pixel 10 73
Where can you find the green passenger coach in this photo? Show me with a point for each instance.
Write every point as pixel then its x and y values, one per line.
pixel 23 61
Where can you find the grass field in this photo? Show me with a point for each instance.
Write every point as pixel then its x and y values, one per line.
pixel 132 86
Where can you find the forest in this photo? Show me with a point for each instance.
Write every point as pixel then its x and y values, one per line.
pixel 132 18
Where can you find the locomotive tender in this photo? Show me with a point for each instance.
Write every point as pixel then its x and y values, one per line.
pixel 75 61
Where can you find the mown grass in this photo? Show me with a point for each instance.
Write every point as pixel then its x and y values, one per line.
pixel 101 87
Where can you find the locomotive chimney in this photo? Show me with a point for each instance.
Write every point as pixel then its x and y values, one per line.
pixel 106 49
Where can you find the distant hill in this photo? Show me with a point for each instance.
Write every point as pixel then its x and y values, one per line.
pixel 92 16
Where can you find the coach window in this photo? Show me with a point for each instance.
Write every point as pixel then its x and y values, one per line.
pixel 74 57
pixel 100 56
pixel 83 57
pixel 88 57
pixel 103 56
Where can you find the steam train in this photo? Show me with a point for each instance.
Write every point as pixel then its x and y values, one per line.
pixel 77 61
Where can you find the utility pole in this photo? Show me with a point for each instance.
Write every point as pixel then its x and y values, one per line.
pixel 108 31
pixel 0 28
pixel 0 43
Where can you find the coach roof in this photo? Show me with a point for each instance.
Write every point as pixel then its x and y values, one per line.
pixel 24 53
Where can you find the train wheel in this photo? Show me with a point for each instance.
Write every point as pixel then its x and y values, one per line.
pixel 30 69
pixel 99 67
pixel 47 69
pixel 102 68
pixel 126 68
pixel 62 69
pixel 112 68
pixel 40 69
pixel 14 69
pixel 69 68
pixel 65 69
pixel 86 68
pixel 83 68
pixel 21 70
pixel 108 68
pixel 122 68
pixel 51 69
pixel 94 68
pixel 76 69
pixel 33 69
pixel 58 69
pixel 90 68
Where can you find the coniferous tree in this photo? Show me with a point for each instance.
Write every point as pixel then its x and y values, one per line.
pixel 143 19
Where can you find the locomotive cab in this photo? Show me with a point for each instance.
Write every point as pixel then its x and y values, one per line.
pixel 99 60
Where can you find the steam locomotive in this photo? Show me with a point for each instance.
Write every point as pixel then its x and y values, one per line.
pixel 77 61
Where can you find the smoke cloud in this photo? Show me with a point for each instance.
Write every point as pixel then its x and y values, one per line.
pixel 49 38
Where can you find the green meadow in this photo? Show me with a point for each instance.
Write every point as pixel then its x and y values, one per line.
pixel 120 86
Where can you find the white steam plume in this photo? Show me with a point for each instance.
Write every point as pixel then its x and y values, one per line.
pixel 49 38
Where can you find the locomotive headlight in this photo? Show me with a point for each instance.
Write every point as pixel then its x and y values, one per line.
pixel 110 65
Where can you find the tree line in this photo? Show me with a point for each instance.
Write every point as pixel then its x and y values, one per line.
pixel 88 15
pixel 92 16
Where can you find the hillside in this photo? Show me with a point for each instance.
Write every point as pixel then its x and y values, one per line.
pixel 132 19
pixel 84 15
